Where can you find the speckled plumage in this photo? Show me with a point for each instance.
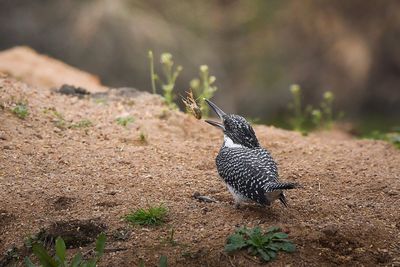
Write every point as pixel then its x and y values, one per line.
pixel 248 170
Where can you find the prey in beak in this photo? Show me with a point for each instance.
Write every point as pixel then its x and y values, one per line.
pixel 220 114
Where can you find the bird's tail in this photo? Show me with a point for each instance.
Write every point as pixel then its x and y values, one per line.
pixel 273 186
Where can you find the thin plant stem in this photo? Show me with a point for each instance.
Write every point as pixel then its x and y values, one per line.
pixel 152 75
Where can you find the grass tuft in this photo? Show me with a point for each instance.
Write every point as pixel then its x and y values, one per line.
pixel 56 117
pixel 142 138
pixel 21 110
pixel 124 121
pixel 81 124
pixel 152 216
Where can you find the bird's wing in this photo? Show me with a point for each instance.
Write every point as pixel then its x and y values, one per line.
pixel 266 162
pixel 247 171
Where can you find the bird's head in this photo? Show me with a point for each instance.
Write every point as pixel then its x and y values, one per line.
pixel 237 131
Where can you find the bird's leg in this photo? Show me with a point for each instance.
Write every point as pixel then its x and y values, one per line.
pixel 236 197
pixel 238 200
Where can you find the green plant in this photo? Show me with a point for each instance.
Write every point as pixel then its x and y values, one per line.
pixel 391 137
pixel 10 255
pixel 142 137
pixel 163 261
pixel 100 101
pixel 299 115
pixel 327 110
pixel 204 88
pixel 35 238
pixel 170 75
pixel 21 110
pixel 170 239
pixel 151 216
pixel 81 124
pixel 57 117
pixel 310 118
pixel 316 116
pixel 303 119
pixel 60 258
pixel 266 245
pixel 124 121
pixel 153 76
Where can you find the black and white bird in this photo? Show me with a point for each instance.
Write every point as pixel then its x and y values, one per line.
pixel 248 170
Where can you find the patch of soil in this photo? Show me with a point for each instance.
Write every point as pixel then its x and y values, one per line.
pixel 121 234
pixel 345 214
pixel 333 239
pixel 5 218
pixel 75 233
pixel 107 204
pixel 62 202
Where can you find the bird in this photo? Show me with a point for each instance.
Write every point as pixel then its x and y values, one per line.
pixel 248 170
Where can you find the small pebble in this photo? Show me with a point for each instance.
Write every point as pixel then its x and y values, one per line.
pixel 38 136
pixel 3 137
pixel 330 230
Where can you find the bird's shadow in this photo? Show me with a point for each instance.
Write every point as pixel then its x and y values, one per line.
pixel 264 213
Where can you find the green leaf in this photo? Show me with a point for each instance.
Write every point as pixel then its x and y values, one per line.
pixel 141 263
pixel 256 237
pixel 100 244
pixel 91 263
pixel 263 255
pixel 163 261
pixel 60 250
pixel 271 253
pixel 256 231
pixel 280 235
pixel 236 239
pixel 273 246
pixel 288 247
pixel 254 243
pixel 252 251
pixel 266 239
pixel 235 242
pixel 231 247
pixel 242 231
pixel 273 229
pixel 76 260
pixel 43 256
pixel 28 262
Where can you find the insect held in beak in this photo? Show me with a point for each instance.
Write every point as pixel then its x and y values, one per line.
pixel 191 105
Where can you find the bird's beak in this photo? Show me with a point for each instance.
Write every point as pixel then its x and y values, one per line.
pixel 220 114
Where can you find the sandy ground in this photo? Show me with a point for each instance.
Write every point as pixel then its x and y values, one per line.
pixel 348 212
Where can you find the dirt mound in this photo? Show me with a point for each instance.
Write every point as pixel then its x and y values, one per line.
pixel 25 64
pixel 347 212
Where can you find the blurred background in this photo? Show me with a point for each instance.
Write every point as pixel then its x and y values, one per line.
pixel 256 49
